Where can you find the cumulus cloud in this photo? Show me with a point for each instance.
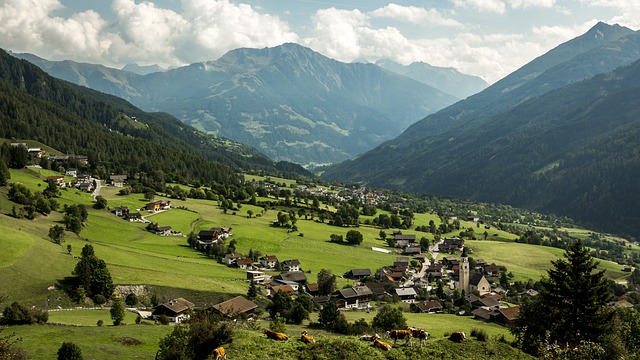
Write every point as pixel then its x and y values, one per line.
pixel 415 15
pixel 500 6
pixel 627 11
pixel 141 32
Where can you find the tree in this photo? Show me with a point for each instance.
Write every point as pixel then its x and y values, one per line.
pixel 326 282
pixel 101 202
pixel 56 234
pixel 69 351
pixel 92 273
pixel 196 338
pixel 354 237
pixel 383 235
pixel 250 212
pixel 18 314
pixel 389 318
pixel 149 195
pixel 571 305
pixel 131 299
pixel 5 175
pixel 328 315
pixel 117 312
pixel 252 293
pixel 280 304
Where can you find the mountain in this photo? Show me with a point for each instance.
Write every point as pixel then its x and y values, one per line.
pixel 547 137
pixel 448 80
pixel 116 136
pixel 288 101
pixel 142 70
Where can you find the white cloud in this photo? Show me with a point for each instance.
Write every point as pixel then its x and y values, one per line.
pixel 493 6
pixel 415 15
pixel 627 10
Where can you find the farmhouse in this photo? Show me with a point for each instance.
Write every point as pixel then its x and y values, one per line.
pixel 120 211
pixel 269 261
pixel 358 297
pixel 117 180
pixel 451 245
pixel 358 274
pixel 287 289
pixel 257 277
pixel 134 217
pixel 208 235
pixel 231 259
pixel 238 306
pixel 290 265
pixel 409 238
pixel 296 276
pixel 244 263
pixel 407 295
pixel 508 316
pixel 158 205
pixel 71 172
pixel 431 306
pixel 58 180
pixel 401 261
pixel 176 310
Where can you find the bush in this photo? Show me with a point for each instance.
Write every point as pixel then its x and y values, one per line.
pixel 69 351
pixel 131 300
pixel 99 299
pixel 100 323
pixel 17 314
pixel 479 334
pixel 164 319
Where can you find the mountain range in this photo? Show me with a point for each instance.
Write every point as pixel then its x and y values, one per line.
pixel 288 101
pixel 557 135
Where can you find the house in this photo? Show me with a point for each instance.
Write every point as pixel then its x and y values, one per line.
pixel 269 261
pixel 290 265
pixel 238 306
pixel 431 307
pixel 508 316
pixel 474 218
pixel 410 238
pixel 407 295
pixel 358 297
pixel 257 277
pixel 450 261
pixel 451 245
pixel 296 276
pixel 244 263
pixel 159 205
pixel 176 310
pixel 312 289
pixel 208 235
pixel 401 261
pixel 134 217
pixel 377 288
pixel 117 180
pixel 71 172
pixel 36 152
pixel 223 232
pixel 120 211
pixel 286 288
pixel 85 186
pixel 412 250
pixel 529 293
pixel 230 259
pixel 479 283
pixel 487 303
pixel 357 274
pixel 484 314
pixel 279 282
pixel 163 230
pixel 492 270
pixel 56 179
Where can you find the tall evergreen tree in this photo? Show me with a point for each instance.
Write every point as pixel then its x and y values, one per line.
pixel 93 274
pixel 571 305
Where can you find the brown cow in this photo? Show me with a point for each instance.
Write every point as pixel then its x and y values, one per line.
pixel 420 334
pixel 275 335
pixel 377 343
pixel 219 353
pixel 306 338
pixel 457 336
pixel 400 334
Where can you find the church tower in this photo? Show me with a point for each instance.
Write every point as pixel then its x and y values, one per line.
pixel 463 273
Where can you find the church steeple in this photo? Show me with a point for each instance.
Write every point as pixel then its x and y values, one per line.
pixel 463 272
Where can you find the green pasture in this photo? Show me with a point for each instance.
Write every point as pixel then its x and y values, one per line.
pixel 105 342
pixel 180 220
pixel 87 317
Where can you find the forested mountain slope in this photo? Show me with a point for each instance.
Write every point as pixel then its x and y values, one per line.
pixel 288 101
pixel 569 150
pixel 116 136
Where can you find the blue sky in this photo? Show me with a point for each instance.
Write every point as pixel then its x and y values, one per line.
pixel 487 38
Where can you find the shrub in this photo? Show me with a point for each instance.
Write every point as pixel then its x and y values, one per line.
pixel 69 351
pixel 164 319
pixel 17 314
pixel 131 300
pixel 479 334
pixel 99 299
pixel 100 322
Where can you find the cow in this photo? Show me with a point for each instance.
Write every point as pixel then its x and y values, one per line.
pixel 369 337
pixel 275 335
pixel 457 336
pixel 400 334
pixel 420 334
pixel 219 353
pixel 377 343
pixel 306 338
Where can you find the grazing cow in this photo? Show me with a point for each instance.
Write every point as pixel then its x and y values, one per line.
pixel 219 353
pixel 420 334
pixel 306 338
pixel 275 335
pixel 377 343
pixel 400 334
pixel 457 336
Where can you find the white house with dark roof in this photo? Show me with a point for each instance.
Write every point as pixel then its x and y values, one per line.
pixel 290 265
pixel 407 295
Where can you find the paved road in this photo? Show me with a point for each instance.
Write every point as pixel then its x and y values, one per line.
pixel 96 191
